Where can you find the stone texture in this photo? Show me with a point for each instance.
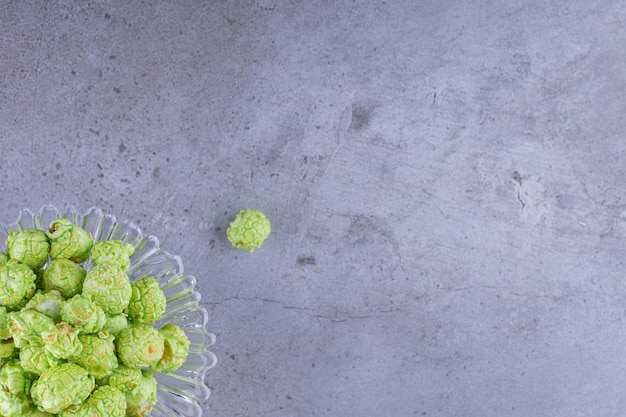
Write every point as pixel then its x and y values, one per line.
pixel 445 182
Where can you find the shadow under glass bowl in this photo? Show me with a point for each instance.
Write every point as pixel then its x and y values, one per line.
pixel 179 393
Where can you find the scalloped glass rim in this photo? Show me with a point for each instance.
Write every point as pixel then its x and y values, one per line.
pixel 179 393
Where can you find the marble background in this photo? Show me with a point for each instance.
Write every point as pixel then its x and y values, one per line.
pixel 445 180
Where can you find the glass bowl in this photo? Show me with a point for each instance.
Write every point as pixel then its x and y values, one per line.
pixel 181 392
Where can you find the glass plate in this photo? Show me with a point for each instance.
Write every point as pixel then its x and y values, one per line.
pixel 180 392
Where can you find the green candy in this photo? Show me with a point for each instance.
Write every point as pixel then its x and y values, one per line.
pixel 62 386
pixel 14 387
pixel 175 349
pixel 13 379
pixel 63 341
pixel 104 401
pixel 112 252
pixel 29 247
pixel 17 283
pixel 69 241
pixel 115 323
pixel 139 346
pixel 124 378
pixel 65 276
pixel 98 354
pixel 27 326
pixel 63 328
pixel 147 302
pixel 13 405
pixel 35 358
pixel 141 400
pixel 248 230
pixel 83 313
pixel 109 287
pixel 48 303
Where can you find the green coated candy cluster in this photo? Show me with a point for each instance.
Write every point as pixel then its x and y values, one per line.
pixel 248 230
pixel 77 337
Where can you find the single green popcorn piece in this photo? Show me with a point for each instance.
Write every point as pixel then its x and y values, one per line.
pixel 13 379
pixel 98 354
pixel 109 287
pixel 141 400
pixel 48 303
pixel 147 302
pixel 69 241
pixel 115 323
pixel 63 342
pixel 36 359
pixel 139 346
pixel 112 252
pixel 65 276
pixel 29 247
pixel 124 378
pixel 104 401
pixel 14 388
pixel 13 405
pixel 27 326
pixel 17 283
pixel 83 313
pixel 62 386
pixel 248 230
pixel 175 349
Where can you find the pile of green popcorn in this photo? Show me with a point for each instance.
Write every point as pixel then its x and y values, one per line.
pixel 78 343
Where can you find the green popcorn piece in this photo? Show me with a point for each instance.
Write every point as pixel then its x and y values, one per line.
pixel 36 359
pixel 28 325
pixel 62 386
pixel 13 405
pixel 115 323
pixel 29 247
pixel 139 346
pixel 112 252
pixel 124 378
pixel 63 342
pixel 17 283
pixel 65 276
pixel 98 354
pixel 14 389
pixel 13 379
pixel 141 400
pixel 83 313
pixel 147 302
pixel 248 230
pixel 109 287
pixel 69 241
pixel 107 401
pixel 48 303
pixel 175 349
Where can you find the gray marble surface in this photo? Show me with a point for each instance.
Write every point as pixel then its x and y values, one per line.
pixel 445 179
